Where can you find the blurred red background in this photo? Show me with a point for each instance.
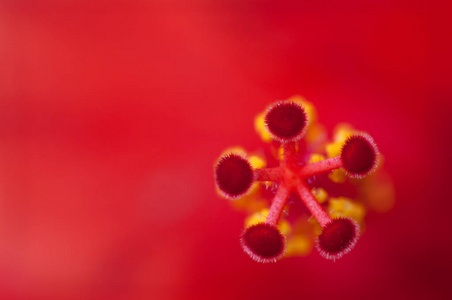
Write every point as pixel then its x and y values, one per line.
pixel 113 112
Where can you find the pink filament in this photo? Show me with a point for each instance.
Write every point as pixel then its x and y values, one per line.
pixel 277 205
pixel 321 167
pixel 311 203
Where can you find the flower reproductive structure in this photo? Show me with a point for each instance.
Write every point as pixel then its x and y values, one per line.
pixel 306 168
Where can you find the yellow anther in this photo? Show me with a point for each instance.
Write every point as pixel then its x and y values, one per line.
pixel 259 126
pixel 345 207
pixel 315 158
pixel 281 153
pixel 284 227
pixel 298 246
pixel 342 131
pixel 251 202
pixel 337 176
pixel 257 217
pixel 257 161
pixel 334 149
pixel 320 194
